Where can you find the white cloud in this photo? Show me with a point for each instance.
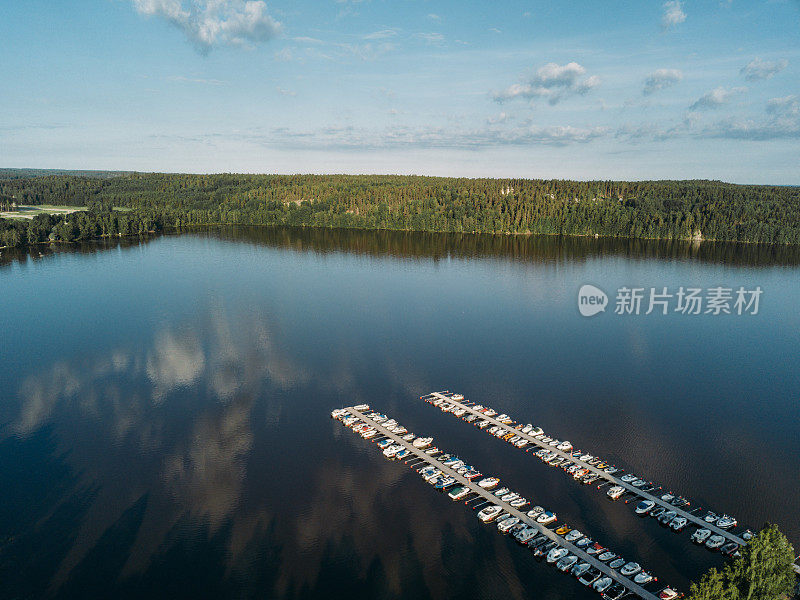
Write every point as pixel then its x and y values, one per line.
pixel 182 79
pixel 786 105
pixel 211 23
pixel 494 133
pixel 754 130
pixel 661 79
pixel 673 14
pixel 381 35
pixel 553 82
pixel 715 98
pixel 431 38
pixel 175 361
pixel 758 69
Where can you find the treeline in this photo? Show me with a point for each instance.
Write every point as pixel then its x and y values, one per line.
pixel 763 572
pixel 708 210
pixel 98 221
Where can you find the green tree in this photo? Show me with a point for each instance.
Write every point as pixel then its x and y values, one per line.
pixel 763 571
pixel 713 586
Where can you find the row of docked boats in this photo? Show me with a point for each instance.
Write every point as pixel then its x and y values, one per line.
pixel 584 466
pixel 670 518
pixel 528 528
pixel 546 548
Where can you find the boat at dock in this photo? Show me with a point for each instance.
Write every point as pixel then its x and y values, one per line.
pixel 615 492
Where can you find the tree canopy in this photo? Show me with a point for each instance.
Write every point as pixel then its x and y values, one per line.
pixel 762 572
pixel 708 210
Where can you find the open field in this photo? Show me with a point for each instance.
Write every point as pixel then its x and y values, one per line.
pixel 28 212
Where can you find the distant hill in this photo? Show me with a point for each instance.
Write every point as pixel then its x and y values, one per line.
pixel 28 173
pixel 672 210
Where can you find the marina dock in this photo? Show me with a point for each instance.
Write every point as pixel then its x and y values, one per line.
pixel 611 478
pixel 488 496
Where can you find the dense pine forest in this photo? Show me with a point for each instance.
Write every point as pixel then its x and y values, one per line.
pixel 708 210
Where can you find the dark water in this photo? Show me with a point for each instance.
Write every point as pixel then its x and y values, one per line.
pixel 165 404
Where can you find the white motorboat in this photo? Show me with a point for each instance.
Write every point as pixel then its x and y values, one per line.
pixel 602 584
pixel 617 563
pixel 384 443
pixel 535 512
pixel 678 523
pixel 526 535
pixel 556 554
pixel 711 517
pixel 581 568
pixel 458 492
pixel 701 535
pixel 509 497
pixel 566 563
pixel 361 407
pixel 726 521
pixel 489 513
pixel 573 535
pixel 546 518
pixel 715 541
pixel 432 451
pixel 615 492
pixel 626 478
pixel 642 578
pixel 431 475
pixel 667 594
pixel 644 507
pixel 606 556
pixel 630 569
pixel 422 442
pixel 519 502
pixel 392 450
pixel 565 446
pixel 501 492
pixel 408 437
pixel 507 524
pixel 527 428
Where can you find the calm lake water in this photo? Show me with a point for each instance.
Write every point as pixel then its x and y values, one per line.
pixel 165 428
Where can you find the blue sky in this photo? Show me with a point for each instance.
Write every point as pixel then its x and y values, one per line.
pixel 583 90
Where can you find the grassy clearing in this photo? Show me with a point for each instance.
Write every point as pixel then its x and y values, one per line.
pixel 28 212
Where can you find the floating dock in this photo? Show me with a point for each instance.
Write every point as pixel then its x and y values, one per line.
pixel 383 433
pixel 611 478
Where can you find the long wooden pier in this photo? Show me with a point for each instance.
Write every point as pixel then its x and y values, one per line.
pixel 692 518
pixel 489 497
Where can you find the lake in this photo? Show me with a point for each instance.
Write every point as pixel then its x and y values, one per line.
pixel 165 408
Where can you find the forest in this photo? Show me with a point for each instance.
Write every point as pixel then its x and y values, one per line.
pixel 668 210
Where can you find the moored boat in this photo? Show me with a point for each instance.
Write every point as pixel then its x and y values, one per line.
pixel 642 578
pixel 630 569
pixel 615 492
pixel 701 535
pixel 489 513
pixel 726 522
